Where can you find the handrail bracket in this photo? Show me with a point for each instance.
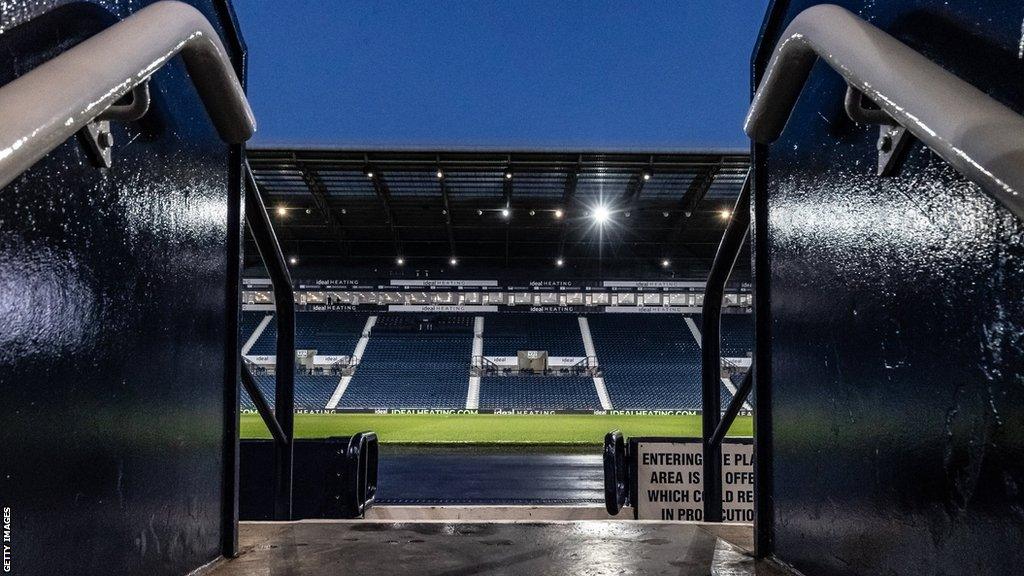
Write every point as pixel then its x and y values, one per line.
pixel 96 137
pixel 893 138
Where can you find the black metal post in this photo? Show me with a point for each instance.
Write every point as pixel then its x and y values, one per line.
pixel 233 301
pixel 262 407
pixel 711 357
pixel 734 408
pixel 284 301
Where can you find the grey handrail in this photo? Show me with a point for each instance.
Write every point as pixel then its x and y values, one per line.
pixel 45 107
pixel 977 135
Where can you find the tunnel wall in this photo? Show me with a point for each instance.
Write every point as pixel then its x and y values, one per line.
pixel 118 314
pixel 890 319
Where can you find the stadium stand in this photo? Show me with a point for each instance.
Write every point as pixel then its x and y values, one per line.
pixel 559 335
pixel 266 344
pixel 311 390
pixel 538 393
pixel 737 335
pixel 506 334
pixel 248 322
pixel 329 333
pixel 649 361
pixel 413 362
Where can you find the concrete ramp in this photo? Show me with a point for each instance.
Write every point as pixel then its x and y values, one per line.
pixel 513 548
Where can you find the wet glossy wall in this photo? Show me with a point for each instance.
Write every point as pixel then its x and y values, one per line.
pixel 896 323
pixel 113 315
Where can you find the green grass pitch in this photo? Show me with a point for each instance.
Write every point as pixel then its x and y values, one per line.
pixel 490 428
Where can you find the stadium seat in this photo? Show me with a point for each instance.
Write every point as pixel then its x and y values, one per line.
pixel 413 362
pixel 650 361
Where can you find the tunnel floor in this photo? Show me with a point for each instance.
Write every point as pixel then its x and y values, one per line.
pixel 594 548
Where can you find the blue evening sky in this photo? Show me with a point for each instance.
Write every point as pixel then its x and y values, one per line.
pixel 518 74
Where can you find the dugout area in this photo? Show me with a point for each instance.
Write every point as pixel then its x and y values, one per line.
pixel 878 216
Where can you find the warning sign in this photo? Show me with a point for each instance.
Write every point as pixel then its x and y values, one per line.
pixel 670 485
pixel 737 482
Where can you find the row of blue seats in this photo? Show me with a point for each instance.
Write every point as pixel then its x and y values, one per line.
pixel 312 391
pixel 506 334
pixel 329 333
pixel 538 393
pixel 411 370
pixel 649 361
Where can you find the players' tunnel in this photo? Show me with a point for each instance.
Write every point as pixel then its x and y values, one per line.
pixel 873 230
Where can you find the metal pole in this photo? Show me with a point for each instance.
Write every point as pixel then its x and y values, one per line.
pixel 711 357
pixel 262 407
pixel 734 408
pixel 284 301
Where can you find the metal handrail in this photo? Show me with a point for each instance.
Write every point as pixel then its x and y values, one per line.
pixel 977 135
pixel 735 405
pixel 711 348
pixel 262 407
pixel 45 107
pixel 284 381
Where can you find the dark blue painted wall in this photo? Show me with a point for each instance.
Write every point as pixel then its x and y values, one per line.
pixel 894 315
pixel 115 305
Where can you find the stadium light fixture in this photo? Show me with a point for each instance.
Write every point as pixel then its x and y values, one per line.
pixel 559 213
pixel 647 176
pixel 665 263
pixel 440 174
pixel 281 211
pixel 293 260
pixel 725 214
pixel 601 214
pixel 400 261
pixel 453 261
pixel 369 174
pixel 508 175
pixel 559 262
pixel 505 213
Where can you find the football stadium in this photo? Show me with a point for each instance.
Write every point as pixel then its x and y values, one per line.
pixel 555 288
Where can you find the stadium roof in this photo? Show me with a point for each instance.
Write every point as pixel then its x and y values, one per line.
pixel 368 208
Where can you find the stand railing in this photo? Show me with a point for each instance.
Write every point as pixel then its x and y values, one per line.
pixel 977 135
pixel 283 417
pixel 72 91
pixel 711 354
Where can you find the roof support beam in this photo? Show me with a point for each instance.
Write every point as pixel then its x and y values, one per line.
pixel 381 188
pixel 698 189
pixel 447 209
pixel 567 195
pixel 507 193
pixel 632 193
pixel 688 203
pixel 319 193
